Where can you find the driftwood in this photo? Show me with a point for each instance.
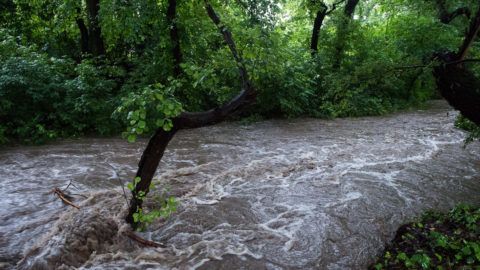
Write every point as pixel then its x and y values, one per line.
pixel 144 242
pixel 64 197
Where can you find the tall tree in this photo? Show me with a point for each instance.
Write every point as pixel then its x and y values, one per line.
pixel 350 7
pixel 174 37
pixel 342 31
pixel 95 42
pixel 84 39
pixel 157 144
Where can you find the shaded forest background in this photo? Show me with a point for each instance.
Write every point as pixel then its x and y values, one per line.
pixel 73 68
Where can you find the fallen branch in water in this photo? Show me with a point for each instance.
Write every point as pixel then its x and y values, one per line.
pixel 63 197
pixel 142 241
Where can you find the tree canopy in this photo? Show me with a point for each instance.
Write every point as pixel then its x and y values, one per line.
pixel 77 64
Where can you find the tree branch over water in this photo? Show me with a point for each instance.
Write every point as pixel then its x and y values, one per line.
pixel 158 143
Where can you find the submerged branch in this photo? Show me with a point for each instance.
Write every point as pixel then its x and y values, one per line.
pixel 143 241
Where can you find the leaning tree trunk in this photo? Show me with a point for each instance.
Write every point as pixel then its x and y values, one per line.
pixel 458 85
pixel 321 14
pixel 155 149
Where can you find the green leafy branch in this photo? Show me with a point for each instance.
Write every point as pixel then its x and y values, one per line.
pixel 153 108
pixel 168 206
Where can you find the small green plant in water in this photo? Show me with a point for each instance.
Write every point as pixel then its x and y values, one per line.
pixel 167 206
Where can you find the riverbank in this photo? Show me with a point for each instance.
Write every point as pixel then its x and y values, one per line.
pixel 436 241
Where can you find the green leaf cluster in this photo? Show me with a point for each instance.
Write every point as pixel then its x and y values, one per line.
pixel 165 206
pixel 473 131
pixel 152 108
pixel 49 88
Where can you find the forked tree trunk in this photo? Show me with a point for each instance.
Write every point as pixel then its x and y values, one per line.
pixel 155 149
pixel 317 24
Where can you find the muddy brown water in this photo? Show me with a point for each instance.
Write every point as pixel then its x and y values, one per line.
pixel 281 194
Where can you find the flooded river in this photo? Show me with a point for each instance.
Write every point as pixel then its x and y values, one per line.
pixel 279 194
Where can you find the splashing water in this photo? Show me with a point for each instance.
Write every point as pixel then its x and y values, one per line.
pixel 283 194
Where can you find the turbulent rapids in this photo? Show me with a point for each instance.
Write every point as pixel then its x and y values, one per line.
pixel 280 194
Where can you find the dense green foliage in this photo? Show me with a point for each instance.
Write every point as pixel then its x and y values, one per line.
pixel 46 97
pixel 53 85
pixel 437 241
pixel 467 125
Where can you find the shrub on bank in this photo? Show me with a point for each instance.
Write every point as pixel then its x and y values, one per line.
pixel 44 97
pixel 467 125
pixel 436 241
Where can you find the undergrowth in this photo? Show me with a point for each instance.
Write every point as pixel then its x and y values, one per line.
pixel 436 241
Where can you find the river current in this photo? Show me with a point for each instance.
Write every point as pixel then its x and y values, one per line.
pixel 277 194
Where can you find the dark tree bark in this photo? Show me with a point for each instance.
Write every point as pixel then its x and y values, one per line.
pixel 445 16
pixel 460 88
pixel 174 37
pixel 83 32
pixel 458 85
pixel 350 7
pixel 317 25
pixel 342 32
pixel 321 14
pixel 470 36
pixel 155 149
pixel 95 41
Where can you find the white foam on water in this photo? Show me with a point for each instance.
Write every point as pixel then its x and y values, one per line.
pixel 302 194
